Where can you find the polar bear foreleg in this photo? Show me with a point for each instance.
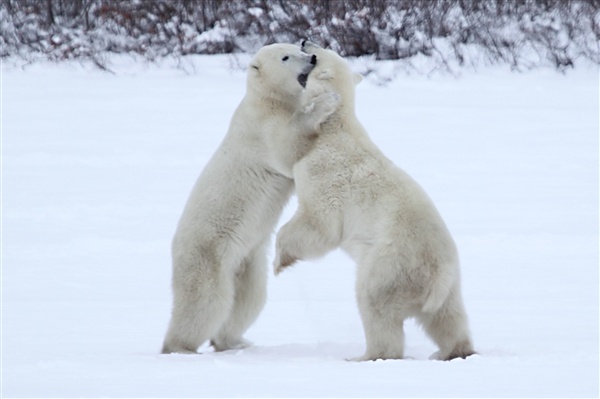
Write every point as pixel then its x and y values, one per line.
pixel 305 236
pixel 293 140
pixel 316 110
pixel 250 298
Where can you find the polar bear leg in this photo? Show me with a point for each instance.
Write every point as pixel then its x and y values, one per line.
pixel 250 298
pixel 289 145
pixel 384 337
pixel 448 328
pixel 382 319
pixel 305 236
pixel 200 307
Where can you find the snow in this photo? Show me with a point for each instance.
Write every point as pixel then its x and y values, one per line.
pixel 96 168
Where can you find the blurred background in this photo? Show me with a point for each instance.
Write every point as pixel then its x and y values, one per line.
pixel 522 34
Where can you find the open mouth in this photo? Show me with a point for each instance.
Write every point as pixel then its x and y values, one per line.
pixel 302 78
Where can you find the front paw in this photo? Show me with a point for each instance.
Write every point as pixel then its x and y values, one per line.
pixel 327 103
pixel 323 104
pixel 282 261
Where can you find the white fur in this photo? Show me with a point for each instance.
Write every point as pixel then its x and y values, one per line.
pixel 219 262
pixel 351 196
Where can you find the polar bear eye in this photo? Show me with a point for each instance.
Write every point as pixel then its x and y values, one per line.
pixel 285 58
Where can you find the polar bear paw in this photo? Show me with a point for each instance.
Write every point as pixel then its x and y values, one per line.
pixel 283 261
pixel 324 104
pixel 226 345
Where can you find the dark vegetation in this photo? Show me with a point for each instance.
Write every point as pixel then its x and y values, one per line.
pixel 520 33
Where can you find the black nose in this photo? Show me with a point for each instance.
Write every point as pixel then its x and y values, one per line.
pixel 313 60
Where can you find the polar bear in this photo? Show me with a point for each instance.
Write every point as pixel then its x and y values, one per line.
pixel 219 247
pixel 351 196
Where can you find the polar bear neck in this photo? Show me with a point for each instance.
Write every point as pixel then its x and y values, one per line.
pixel 342 123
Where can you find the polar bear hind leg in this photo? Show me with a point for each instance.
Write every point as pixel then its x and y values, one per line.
pixel 382 310
pixel 448 328
pixel 384 332
pixel 200 307
pixel 250 298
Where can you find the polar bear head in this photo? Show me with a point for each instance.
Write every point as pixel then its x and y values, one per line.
pixel 279 72
pixel 332 73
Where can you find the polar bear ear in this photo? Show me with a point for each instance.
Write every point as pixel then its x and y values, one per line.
pixel 357 78
pixel 255 68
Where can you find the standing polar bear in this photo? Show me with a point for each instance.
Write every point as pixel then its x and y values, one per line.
pixel 218 251
pixel 351 196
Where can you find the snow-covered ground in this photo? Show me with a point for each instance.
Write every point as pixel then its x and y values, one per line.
pixel 95 171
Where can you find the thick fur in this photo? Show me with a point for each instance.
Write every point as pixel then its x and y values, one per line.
pixel 351 196
pixel 219 262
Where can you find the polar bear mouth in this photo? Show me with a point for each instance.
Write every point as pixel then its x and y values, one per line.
pixel 302 78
